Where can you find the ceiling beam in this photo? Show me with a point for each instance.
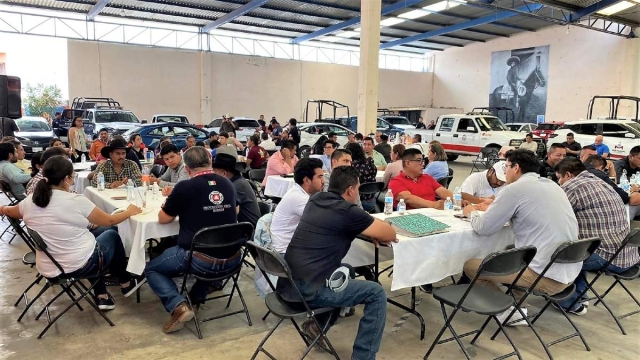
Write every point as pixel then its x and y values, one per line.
pixel 592 9
pixel 461 26
pixel 353 21
pixel 95 10
pixel 233 15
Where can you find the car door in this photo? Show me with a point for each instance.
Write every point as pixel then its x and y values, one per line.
pixel 466 135
pixel 153 136
pixel 444 132
pixel 615 137
pixel 343 134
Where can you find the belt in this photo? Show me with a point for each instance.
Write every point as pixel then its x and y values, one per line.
pixel 214 261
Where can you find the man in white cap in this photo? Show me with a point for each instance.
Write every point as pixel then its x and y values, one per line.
pixel 479 187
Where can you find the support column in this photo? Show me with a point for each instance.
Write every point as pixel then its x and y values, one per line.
pixel 205 88
pixel 369 71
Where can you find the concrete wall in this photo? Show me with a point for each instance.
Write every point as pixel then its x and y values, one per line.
pixel 582 64
pixel 206 85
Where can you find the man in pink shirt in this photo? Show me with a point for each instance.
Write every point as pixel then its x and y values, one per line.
pixel 282 162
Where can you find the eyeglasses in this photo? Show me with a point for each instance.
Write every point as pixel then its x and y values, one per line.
pixel 328 147
pixel 417 160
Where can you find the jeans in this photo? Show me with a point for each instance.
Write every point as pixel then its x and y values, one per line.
pixel 173 262
pixel 371 327
pixel 100 229
pixel 594 263
pixel 368 205
pixel 111 251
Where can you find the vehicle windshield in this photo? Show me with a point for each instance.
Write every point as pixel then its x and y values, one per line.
pixel 33 125
pixel 489 123
pixel 115 116
pixel 181 119
pixel 513 127
pixel 398 120
pixel 547 127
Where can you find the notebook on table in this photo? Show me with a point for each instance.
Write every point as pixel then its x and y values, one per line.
pixel 416 225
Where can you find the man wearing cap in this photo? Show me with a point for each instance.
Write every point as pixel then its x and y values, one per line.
pixel 228 125
pixel 225 165
pixel 484 185
pixel 117 169
pixel 213 136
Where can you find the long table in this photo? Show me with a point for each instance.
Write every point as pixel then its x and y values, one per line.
pixel 278 186
pixel 137 229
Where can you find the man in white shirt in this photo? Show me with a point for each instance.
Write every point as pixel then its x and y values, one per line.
pixel 309 179
pixel 535 219
pixel 267 143
pixel 484 185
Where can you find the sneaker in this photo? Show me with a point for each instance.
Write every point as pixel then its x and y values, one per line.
pixel 585 303
pixel 580 310
pixel 347 311
pixel 311 332
pixel 181 315
pixel 106 304
pixel 515 320
pixel 134 284
pixel 427 288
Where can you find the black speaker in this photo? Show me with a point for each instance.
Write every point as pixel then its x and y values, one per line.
pixel 10 97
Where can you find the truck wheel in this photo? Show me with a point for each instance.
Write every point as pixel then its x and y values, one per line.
pixel 304 152
pixel 452 157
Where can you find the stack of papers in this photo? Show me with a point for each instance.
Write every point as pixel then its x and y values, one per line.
pixel 416 225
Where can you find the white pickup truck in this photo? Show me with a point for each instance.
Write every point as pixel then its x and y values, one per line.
pixel 620 135
pixel 466 134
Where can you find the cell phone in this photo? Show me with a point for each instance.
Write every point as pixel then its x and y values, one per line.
pixel 118 198
pixel 287 176
pixel 460 216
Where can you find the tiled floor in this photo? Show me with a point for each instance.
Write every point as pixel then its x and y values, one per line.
pixel 138 334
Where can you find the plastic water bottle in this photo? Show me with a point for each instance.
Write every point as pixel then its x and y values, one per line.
pixel 83 159
pixel 156 190
pixel 130 194
pixel 144 153
pixel 402 207
pixel 633 179
pixel 100 181
pixel 448 206
pixel 624 181
pixel 457 200
pixel 388 202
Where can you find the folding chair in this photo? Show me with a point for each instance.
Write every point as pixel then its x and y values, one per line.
pixel 13 200
pixel 67 283
pixel 632 240
pixel 570 252
pixel 481 299
pixel 265 208
pixel 255 180
pixel 271 262
pixel 486 158
pixel 372 188
pixel 157 170
pixel 228 238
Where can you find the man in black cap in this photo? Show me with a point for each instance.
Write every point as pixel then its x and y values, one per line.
pixel 117 169
pixel 225 165
pixel 213 136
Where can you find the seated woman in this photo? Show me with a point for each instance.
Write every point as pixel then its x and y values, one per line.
pixel 438 167
pixel 318 147
pixel 36 165
pixel 55 142
pixel 136 144
pixel 61 219
pixel 394 168
pixel 367 170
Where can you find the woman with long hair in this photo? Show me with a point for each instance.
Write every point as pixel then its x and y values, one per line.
pixel 78 140
pixel 437 167
pixel 318 147
pixel 61 218
pixel 136 144
pixel 35 163
pixel 394 168
pixel 367 170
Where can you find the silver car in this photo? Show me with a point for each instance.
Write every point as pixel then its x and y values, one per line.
pixel 246 127
pixel 34 134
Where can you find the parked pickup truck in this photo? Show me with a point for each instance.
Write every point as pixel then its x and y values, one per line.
pixel 466 134
pixel 169 118
pixel 619 135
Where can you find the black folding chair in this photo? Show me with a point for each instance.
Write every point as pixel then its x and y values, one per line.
pixel 241 167
pixel 486 158
pixel 13 200
pixel 68 285
pixel 481 299
pixel 265 208
pixel 255 180
pixel 271 262
pixel 570 252
pixel 373 189
pixel 157 170
pixel 632 240
pixel 228 238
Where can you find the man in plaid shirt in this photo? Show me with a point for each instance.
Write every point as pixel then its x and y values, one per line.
pixel 600 213
pixel 117 170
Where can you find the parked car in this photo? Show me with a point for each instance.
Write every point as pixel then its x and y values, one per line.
pixel 521 127
pixel 398 121
pixel 246 127
pixel 546 130
pixel 619 135
pixel 35 133
pixel 169 118
pixel 178 132
pixel 311 132
pixel 384 126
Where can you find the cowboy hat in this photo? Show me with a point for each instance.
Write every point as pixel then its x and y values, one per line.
pixel 113 145
pixel 513 59
pixel 225 162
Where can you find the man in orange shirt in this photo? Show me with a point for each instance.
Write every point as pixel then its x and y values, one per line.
pixel 98 144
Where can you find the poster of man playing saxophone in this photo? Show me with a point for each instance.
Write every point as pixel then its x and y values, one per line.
pixel 519 81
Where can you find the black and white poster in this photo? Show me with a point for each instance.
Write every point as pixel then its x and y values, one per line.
pixel 519 80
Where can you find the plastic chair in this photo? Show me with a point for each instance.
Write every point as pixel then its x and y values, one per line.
pixel 229 239
pixel 270 262
pixel 157 170
pixel 486 158
pixel 241 167
pixel 257 175
pixel 481 299
pixel 13 200
pixel 372 188
pixel 265 208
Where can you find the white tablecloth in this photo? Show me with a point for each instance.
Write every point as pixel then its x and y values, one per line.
pixel 429 259
pixel 82 182
pixel 379 176
pixel 80 166
pixel 137 229
pixel 315 156
pixel 278 186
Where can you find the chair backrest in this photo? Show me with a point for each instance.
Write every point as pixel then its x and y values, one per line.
pixel 507 262
pixel 575 251
pixel 450 172
pixel 15 224
pixel 6 189
pixel 489 152
pixel 156 170
pixel 228 238
pixel 42 246
pixel 265 208
pixel 445 181
pixel 257 174
pixel 269 260
pixel 240 166
pixel 371 188
pixel 633 239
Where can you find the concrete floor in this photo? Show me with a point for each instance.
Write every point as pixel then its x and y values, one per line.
pixel 138 334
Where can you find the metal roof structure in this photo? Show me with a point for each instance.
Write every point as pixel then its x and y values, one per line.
pixel 455 24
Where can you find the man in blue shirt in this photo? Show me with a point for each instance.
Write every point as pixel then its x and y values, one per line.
pixel 329 147
pixel 601 148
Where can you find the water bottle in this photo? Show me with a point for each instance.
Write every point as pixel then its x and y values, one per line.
pixel 402 207
pixel 633 179
pixel 130 194
pixel 457 200
pixel 388 202
pixel 145 153
pixel 156 190
pixel 448 206
pixel 100 181
pixel 83 159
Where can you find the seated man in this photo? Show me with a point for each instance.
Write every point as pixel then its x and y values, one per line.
pixel 213 136
pixel 369 152
pixel 225 165
pixel 600 213
pixel 630 164
pixel 266 142
pixel 282 162
pixel 556 153
pixel 383 146
pixel 98 144
pixel 229 145
pixel 316 251
pixel 20 154
pixel 309 179
pixel 417 189
pixel 596 165
pixel 176 171
pixel 601 148
pixel 117 169
pixel 207 199
pixel 503 151
pixel 329 147
pixel 535 220
pixel 480 186
pixel 10 173
pixel 573 147
pixel 191 142
pixel 257 154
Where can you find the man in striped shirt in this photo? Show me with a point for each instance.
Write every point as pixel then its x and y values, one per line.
pixel 600 213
